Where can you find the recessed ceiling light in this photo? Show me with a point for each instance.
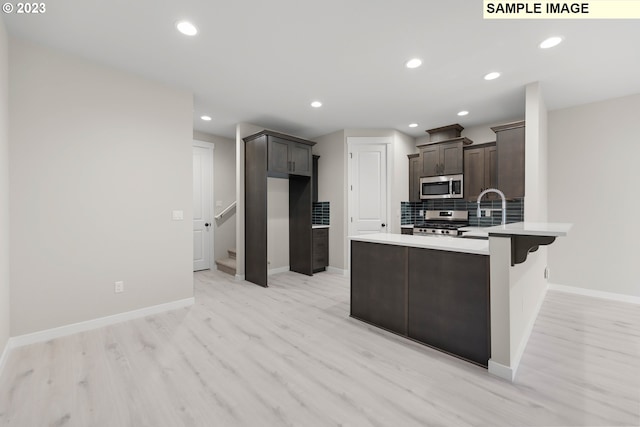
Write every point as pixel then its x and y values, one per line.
pixel 413 63
pixel 206 118
pixel 413 125
pixel 187 28
pixel 316 104
pixel 463 113
pixel 492 76
pixel 550 42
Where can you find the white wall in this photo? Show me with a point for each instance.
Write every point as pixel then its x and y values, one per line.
pixel 99 159
pixel 224 191
pixel 593 178
pixel 332 183
pixel 536 135
pixel 277 224
pixel 4 193
pixel 403 145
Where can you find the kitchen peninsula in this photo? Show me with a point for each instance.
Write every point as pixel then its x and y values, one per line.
pixel 449 293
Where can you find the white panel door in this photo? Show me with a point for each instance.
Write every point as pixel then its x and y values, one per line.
pixel 368 187
pixel 202 205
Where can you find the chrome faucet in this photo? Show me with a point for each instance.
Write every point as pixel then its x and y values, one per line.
pixel 504 203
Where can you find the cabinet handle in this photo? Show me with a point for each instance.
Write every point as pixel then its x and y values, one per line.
pixel 294 166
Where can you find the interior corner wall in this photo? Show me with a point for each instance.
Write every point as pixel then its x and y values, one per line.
pixel 99 160
pixel 332 170
pixel 224 191
pixel 403 145
pixel 593 174
pixel 5 292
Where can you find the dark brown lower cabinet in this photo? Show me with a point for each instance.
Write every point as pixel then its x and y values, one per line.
pixel 438 298
pixel 379 285
pixel 449 302
pixel 320 249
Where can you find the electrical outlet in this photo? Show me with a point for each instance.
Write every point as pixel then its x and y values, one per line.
pixel 118 287
pixel 487 213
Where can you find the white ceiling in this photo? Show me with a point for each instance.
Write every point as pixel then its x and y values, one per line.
pixel 263 62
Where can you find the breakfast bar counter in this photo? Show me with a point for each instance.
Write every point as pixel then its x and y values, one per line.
pixel 433 290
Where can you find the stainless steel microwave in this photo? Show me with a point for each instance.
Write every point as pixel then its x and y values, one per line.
pixel 441 187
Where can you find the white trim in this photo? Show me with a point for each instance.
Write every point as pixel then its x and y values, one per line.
pixel 515 363
pixel 595 294
pixel 340 271
pixel 5 354
pixel 239 277
pixel 278 270
pixel 100 322
pixel 501 371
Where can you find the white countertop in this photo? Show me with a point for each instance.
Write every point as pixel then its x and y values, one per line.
pixel 319 226
pixel 474 231
pixel 531 229
pixel 406 226
pixel 444 243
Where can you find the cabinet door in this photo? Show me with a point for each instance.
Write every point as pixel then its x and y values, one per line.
pixel 314 179
pixel 278 156
pixel 320 249
pixel 451 158
pixel 448 306
pixel 379 285
pixel 474 172
pixel 430 160
pixel 301 159
pixel 510 155
pixel 415 168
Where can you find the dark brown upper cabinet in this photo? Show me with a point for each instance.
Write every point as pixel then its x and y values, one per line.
pixel 415 169
pixel 443 158
pixel 288 156
pixel 480 170
pixel 277 155
pixel 443 154
pixel 314 178
pixel 510 143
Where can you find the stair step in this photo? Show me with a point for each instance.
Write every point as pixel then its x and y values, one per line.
pixel 232 253
pixel 227 265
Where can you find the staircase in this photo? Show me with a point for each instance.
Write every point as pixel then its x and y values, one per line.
pixel 228 265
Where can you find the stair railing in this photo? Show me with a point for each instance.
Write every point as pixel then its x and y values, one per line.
pixel 225 211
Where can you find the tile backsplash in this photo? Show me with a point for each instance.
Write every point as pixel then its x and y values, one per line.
pixel 410 211
pixel 320 213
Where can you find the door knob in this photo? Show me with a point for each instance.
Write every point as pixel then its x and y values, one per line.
pixel 384 225
pixel 206 224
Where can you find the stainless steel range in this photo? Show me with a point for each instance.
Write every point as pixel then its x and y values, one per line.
pixel 441 223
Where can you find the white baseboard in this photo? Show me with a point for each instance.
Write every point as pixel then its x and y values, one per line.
pixel 335 270
pixel 278 270
pixel 596 294
pixel 501 371
pixel 62 331
pixel 5 355
pixel 239 277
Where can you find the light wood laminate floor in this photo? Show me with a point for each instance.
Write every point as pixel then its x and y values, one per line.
pixel 290 355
